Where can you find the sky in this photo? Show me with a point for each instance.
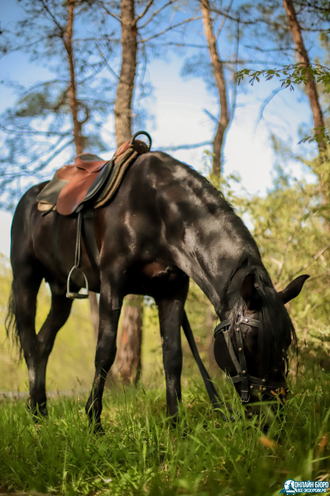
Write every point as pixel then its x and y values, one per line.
pixel 178 106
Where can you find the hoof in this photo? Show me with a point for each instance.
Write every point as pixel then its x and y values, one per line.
pixel 98 429
pixel 38 411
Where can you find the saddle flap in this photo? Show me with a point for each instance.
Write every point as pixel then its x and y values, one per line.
pixel 82 188
pixel 73 193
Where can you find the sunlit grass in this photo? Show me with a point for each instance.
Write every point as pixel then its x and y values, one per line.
pixel 141 453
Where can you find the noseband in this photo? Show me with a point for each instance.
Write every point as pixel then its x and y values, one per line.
pixel 248 382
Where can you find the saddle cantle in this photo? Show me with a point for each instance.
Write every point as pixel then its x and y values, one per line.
pixel 79 188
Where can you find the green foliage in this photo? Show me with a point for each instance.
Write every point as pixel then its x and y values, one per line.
pixel 290 226
pixel 289 75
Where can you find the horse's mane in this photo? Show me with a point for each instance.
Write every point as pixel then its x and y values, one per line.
pixel 213 198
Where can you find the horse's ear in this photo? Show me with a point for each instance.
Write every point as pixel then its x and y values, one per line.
pixel 293 289
pixel 248 291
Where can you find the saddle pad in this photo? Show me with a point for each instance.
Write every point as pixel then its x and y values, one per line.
pixel 117 174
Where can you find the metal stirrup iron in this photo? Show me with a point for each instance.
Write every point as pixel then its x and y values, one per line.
pixel 76 267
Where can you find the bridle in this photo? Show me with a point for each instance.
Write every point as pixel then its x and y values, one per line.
pixel 248 382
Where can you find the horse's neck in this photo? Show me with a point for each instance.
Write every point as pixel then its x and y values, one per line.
pixel 213 238
pixel 210 266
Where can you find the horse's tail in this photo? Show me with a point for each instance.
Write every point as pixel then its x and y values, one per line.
pixel 11 322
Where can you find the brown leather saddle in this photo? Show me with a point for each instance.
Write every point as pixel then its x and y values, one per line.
pixel 90 180
pixel 89 183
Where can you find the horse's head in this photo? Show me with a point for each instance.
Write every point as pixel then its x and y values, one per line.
pixel 251 344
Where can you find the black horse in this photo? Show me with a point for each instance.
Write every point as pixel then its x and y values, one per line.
pixel 165 224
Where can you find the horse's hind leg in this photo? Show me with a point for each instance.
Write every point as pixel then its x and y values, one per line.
pixel 36 347
pixel 25 287
pixel 58 315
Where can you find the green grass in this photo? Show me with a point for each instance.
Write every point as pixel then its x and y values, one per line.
pixel 141 453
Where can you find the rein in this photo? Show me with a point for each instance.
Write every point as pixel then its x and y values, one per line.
pixel 248 382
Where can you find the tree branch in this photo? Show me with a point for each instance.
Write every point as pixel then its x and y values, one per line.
pixel 174 26
pixel 235 83
pixel 308 264
pixel 53 18
pixel 143 13
pixel 224 18
pixel 266 102
pixel 106 62
pixel 185 147
pixel 110 13
pixel 154 14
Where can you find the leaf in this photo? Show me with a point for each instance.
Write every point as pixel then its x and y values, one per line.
pixel 269 443
pixel 323 443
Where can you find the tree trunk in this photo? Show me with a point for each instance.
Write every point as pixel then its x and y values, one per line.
pixel 314 102
pixel 125 89
pixel 73 101
pixel 79 139
pixel 222 91
pixel 128 362
pixel 311 88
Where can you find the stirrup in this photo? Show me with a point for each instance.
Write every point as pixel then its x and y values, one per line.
pixel 72 294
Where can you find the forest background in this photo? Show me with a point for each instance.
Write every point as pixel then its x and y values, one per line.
pixel 63 69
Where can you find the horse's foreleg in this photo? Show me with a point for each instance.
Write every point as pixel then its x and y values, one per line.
pixel 105 353
pixel 170 318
